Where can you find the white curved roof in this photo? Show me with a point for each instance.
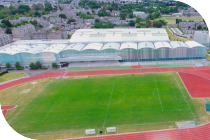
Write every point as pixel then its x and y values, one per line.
pixel 146 45
pixel 77 47
pixel 177 44
pixel 162 45
pixel 93 46
pixel 115 46
pixel 128 45
pixel 13 49
pixel 55 48
pixel 119 35
pixel 192 44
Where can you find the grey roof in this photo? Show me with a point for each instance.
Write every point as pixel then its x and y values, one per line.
pixel 119 35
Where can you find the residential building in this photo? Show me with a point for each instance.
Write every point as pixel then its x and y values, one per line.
pixel 20 31
pixel 5 39
pixel 60 34
pixel 187 25
pixel 200 23
pixel 143 15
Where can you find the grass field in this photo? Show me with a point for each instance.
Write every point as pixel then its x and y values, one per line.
pixel 172 20
pixel 10 76
pixel 63 108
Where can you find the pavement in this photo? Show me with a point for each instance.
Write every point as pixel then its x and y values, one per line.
pixel 37 72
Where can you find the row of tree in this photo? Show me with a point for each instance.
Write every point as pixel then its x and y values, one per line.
pixel 36 10
pixel 32 65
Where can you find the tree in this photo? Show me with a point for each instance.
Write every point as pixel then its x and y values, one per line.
pixel 37 14
pixel 138 19
pixel 69 36
pixel 156 14
pixel 82 15
pixel 24 8
pixel 7 23
pixel 132 23
pixel 163 22
pixel 17 65
pixel 38 65
pixel 48 7
pixel 97 20
pixel 8 31
pixel 194 28
pixel 63 16
pixel 32 66
pixel 54 65
pixel 71 20
pixel 131 15
pixel 122 16
pixel 34 22
pixel 157 24
pixel 24 22
pixel 8 65
pixel 199 27
pixel 109 24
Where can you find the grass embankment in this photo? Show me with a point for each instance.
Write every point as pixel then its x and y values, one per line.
pixel 133 102
pixel 175 38
pixel 172 20
pixel 10 76
pixel 207 56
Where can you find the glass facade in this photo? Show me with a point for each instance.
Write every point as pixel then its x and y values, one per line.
pixel 111 51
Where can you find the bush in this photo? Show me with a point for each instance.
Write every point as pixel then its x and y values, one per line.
pixel 20 69
pixel 44 68
pixel 2 73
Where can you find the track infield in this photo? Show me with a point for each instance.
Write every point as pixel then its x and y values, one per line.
pixel 130 102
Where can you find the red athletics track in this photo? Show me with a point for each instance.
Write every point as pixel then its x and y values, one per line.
pixel 199 71
pixel 200 132
pixel 6 108
pixel 197 133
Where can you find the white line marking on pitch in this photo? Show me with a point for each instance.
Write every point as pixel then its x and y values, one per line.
pixel 109 103
pixel 159 96
pixel 30 102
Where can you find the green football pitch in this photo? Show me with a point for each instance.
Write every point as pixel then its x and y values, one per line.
pixel 97 102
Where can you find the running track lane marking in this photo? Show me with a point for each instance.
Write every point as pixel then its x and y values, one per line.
pixel 109 102
pixel 30 101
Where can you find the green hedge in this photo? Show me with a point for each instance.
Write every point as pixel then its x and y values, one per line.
pixel 44 68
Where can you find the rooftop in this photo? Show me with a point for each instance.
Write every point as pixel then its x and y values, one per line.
pixel 119 35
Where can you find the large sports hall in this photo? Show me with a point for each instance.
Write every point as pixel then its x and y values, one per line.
pixel 99 47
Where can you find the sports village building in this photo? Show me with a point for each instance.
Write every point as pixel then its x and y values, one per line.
pixel 94 45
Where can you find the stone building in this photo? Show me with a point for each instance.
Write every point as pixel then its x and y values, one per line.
pixel 20 31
